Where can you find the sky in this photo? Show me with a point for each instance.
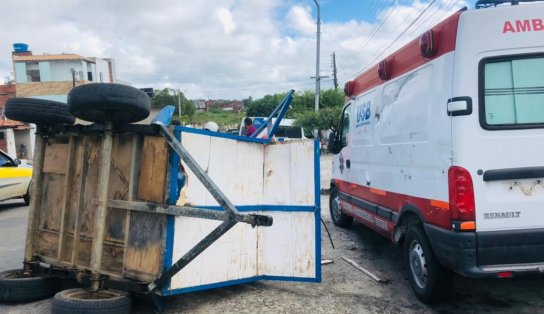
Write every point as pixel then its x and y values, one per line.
pixel 220 49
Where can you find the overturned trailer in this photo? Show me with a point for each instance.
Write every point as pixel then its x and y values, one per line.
pixel 127 208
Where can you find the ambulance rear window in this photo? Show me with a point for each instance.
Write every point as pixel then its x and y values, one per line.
pixel 512 96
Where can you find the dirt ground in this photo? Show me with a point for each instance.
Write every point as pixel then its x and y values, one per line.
pixel 343 288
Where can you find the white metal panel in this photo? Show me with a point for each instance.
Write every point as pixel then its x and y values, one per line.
pixel 250 174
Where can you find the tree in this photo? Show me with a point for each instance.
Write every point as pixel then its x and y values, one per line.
pixel 325 119
pixel 169 96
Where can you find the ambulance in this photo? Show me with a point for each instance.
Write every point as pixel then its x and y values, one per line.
pixel 440 148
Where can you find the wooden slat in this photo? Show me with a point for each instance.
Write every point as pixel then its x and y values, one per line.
pixel 78 193
pixel 56 158
pixel 50 211
pixel 153 170
pixel 47 243
pixel 72 150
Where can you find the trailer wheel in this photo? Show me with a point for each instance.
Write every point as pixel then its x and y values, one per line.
pixel 101 102
pixel 38 111
pixel 81 300
pixel 431 282
pixel 338 218
pixel 15 287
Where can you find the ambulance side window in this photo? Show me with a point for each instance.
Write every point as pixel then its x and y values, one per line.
pixel 344 124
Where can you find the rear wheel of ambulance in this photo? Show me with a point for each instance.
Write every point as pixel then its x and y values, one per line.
pixel 430 281
pixel 338 217
pixel 81 300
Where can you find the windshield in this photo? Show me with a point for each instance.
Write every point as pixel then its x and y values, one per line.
pixel 513 93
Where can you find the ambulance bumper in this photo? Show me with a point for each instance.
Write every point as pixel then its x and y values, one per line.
pixel 488 254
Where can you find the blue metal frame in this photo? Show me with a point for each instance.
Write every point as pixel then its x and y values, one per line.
pixel 282 107
pixel 174 160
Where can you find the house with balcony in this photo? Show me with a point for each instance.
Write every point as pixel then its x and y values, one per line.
pixel 52 76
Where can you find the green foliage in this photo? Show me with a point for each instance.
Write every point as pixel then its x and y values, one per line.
pixel 222 118
pixel 169 96
pixel 325 119
pixel 302 108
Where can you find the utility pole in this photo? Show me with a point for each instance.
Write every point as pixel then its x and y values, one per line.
pixel 179 103
pixel 334 71
pixel 317 77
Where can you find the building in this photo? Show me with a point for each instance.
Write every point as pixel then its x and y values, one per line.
pixel 52 76
pixel 14 133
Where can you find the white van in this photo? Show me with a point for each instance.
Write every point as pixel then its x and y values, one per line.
pixel 286 129
pixel 441 146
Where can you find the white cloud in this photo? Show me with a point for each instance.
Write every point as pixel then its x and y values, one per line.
pixel 211 49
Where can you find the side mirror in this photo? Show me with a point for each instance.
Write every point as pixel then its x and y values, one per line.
pixel 17 162
pixel 333 145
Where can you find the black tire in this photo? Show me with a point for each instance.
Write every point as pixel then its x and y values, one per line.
pixel 101 102
pixel 431 282
pixel 38 111
pixel 81 300
pixel 338 218
pixel 17 288
pixel 26 198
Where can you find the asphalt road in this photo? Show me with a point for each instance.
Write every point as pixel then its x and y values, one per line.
pixel 343 289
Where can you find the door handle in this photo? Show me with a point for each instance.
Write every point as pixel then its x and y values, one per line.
pixel 348 163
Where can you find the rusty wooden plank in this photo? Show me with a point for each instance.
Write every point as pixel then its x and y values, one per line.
pixel 65 202
pixel 112 255
pixel 153 170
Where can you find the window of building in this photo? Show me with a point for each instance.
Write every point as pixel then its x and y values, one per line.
pixel 90 76
pixel 101 77
pixel 32 72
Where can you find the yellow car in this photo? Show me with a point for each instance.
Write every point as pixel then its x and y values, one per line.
pixel 14 178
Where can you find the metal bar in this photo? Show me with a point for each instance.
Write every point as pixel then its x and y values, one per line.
pixel 287 102
pixel 252 219
pixel 72 148
pixel 191 255
pixel 35 201
pixel 80 201
pixel 101 212
pixel 198 171
pixel 283 105
pixel 364 271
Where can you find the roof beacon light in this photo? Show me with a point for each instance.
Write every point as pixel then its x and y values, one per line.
pixel 427 44
pixel 382 70
pixel 348 88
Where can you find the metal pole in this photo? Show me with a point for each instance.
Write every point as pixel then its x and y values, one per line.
pixel 317 78
pixel 35 200
pixel 101 212
pixel 179 104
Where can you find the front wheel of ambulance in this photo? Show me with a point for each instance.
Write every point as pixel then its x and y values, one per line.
pixel 338 218
pixel 16 287
pixel 82 300
pixel 431 282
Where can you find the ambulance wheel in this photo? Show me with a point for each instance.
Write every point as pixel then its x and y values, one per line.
pixel 101 102
pixel 38 111
pixel 15 287
pixel 81 300
pixel 338 218
pixel 431 282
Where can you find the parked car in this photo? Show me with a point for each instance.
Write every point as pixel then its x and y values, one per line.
pixel 15 178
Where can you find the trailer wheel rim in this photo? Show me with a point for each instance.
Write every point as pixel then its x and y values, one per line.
pixel 84 294
pixel 336 207
pixel 418 265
